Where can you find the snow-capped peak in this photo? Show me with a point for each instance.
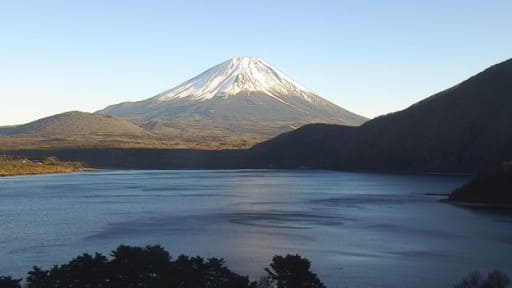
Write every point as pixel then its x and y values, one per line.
pixel 234 76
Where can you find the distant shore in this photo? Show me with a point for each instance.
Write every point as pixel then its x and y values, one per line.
pixel 17 166
pixel 477 204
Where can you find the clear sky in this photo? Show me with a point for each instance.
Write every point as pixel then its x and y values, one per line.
pixel 371 57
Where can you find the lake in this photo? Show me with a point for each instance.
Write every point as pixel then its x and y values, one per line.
pixel 359 230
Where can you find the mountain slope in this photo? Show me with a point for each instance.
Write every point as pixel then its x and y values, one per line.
pixel 75 123
pixel 76 130
pixel 460 129
pixel 239 96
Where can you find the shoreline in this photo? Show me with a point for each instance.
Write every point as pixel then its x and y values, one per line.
pixel 19 165
pixel 48 172
pixel 477 204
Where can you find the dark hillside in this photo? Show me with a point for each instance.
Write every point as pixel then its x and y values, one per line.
pixel 462 129
pixel 492 187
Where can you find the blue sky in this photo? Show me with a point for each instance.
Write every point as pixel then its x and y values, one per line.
pixel 371 57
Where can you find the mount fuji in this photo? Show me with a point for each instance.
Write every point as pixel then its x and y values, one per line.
pixel 242 100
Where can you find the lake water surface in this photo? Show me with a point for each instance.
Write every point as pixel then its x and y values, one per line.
pixel 359 230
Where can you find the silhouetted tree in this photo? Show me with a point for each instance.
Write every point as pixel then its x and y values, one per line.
pixel 152 267
pixel 83 271
pixel 147 267
pixel 139 267
pixel 495 279
pixel 265 282
pixel 196 272
pixel 9 282
pixel 292 271
pixel 38 278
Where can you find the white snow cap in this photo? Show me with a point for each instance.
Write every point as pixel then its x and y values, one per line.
pixel 239 74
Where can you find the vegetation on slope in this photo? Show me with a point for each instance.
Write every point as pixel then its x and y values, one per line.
pixel 462 129
pixel 85 130
pixel 206 141
pixel 11 166
pixel 494 279
pixel 492 187
pixel 75 123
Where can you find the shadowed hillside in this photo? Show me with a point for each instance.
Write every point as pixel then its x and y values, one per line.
pixel 460 129
pixel 490 188
pixel 312 146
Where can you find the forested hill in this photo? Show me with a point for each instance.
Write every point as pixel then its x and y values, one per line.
pixel 461 129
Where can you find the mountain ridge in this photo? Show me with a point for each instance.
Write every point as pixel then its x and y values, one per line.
pixel 236 95
pixel 233 76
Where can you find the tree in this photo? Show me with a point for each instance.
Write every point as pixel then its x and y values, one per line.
pixel 139 267
pixel 37 278
pixel 265 282
pixel 9 282
pixel 152 267
pixel 82 271
pixel 495 279
pixel 292 271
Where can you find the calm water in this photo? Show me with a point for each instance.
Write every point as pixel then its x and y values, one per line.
pixel 359 230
